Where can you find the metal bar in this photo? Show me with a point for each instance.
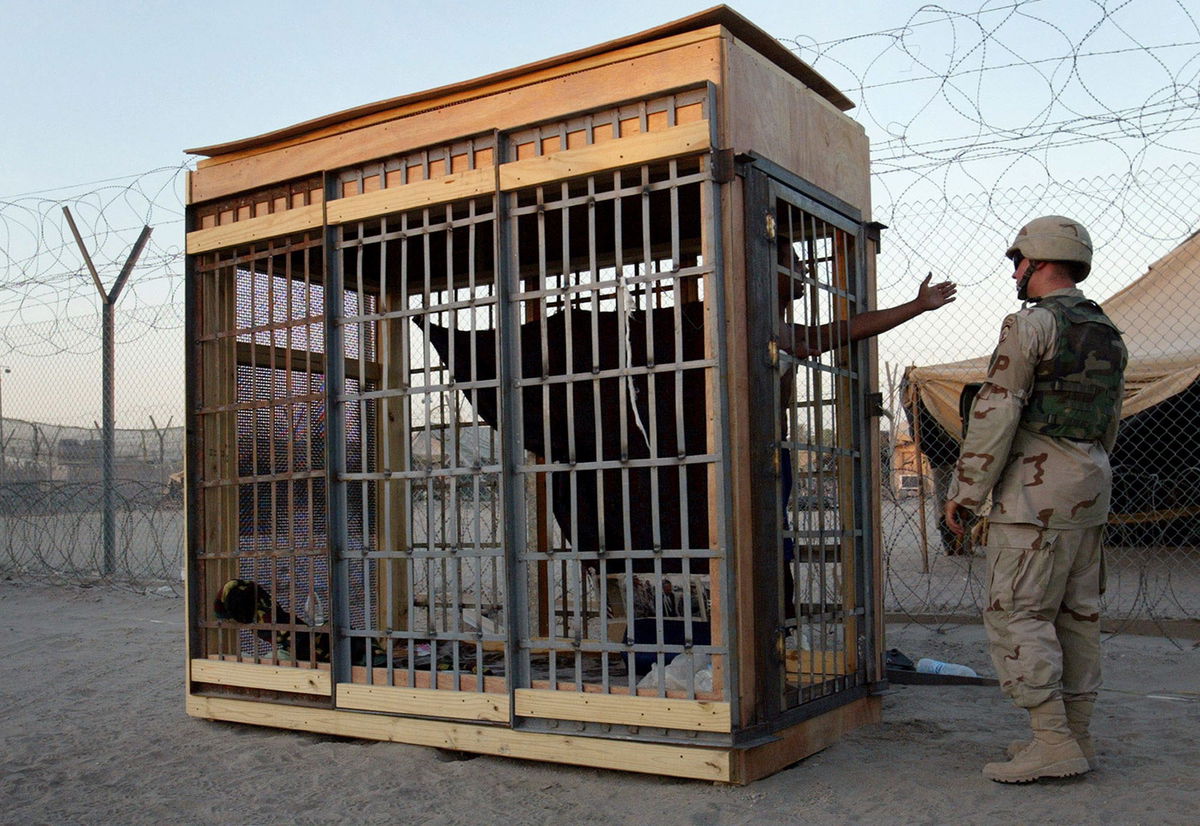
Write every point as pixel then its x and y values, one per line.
pixel 762 341
pixel 516 570
pixel 336 506
pixel 194 580
pixel 134 254
pixel 806 195
pixel 714 252
pixel 87 259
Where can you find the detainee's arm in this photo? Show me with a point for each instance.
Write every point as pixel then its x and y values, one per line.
pixel 811 341
pixel 995 417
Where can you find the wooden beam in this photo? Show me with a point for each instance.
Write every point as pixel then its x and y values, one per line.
pixel 297 679
pixel 256 229
pixel 298 361
pixel 689 139
pixel 701 763
pixel 633 77
pixel 447 188
pixel 816 663
pixel 772 113
pixel 805 739
pixel 425 702
pixel 438 100
pixel 657 712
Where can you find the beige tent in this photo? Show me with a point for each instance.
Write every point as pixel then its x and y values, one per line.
pixel 1158 317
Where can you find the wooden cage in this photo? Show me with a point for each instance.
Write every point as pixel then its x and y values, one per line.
pixel 495 442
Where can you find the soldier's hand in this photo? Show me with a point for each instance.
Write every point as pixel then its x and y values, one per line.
pixel 933 296
pixel 953 522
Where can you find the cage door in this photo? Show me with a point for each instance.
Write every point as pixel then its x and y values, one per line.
pixel 807 264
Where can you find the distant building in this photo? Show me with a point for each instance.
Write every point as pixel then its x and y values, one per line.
pixel 910 468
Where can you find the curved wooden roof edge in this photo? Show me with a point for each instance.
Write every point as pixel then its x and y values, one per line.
pixel 722 15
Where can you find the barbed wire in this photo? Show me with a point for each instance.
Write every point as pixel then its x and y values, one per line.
pixel 1019 93
pixel 43 279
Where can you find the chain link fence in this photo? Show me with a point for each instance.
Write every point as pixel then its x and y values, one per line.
pixel 1153 539
pixel 52 491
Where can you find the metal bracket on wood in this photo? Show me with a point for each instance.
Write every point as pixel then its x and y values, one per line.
pixel 874 402
pixel 874 230
pixel 723 167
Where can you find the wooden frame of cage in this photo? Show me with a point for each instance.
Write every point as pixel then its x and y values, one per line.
pixel 274 197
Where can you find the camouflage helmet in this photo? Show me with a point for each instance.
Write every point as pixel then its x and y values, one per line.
pixel 1054 238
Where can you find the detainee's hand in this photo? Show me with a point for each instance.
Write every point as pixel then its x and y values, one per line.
pixel 933 296
pixel 953 521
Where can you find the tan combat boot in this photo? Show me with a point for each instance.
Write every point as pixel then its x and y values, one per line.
pixel 1053 751
pixel 1079 716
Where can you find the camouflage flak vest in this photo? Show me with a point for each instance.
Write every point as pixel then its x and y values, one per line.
pixel 1076 393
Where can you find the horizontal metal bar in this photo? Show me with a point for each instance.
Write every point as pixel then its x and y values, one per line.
pixel 616 372
pixel 617 282
pixel 263 404
pixel 238 332
pixel 442 553
pixel 421 474
pixel 631 191
pixel 617 464
pixel 616 555
pixel 283 476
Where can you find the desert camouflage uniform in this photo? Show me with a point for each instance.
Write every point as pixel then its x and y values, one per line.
pixel 1050 500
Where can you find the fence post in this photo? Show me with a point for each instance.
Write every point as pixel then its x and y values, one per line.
pixel 108 301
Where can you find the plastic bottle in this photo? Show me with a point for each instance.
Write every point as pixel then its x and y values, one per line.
pixel 928 666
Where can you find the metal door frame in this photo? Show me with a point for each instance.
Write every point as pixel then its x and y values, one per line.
pixel 765 183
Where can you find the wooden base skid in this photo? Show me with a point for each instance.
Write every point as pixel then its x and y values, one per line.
pixel 695 762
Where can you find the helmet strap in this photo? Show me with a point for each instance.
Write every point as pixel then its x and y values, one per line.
pixel 1023 284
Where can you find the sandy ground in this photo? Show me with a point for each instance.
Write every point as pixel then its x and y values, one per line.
pixel 92 730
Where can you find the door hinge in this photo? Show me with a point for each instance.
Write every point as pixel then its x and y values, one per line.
pixel 875 404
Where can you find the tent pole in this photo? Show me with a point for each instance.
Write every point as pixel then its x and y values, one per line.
pixel 920 484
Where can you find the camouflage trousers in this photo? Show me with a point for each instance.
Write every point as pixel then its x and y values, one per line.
pixel 1043 611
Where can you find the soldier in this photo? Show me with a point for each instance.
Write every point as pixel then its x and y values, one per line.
pixel 1038 442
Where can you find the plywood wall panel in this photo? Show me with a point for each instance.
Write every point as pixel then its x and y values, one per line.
pixel 772 113
pixel 636 77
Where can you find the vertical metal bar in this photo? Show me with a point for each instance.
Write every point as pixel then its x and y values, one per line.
pixel 762 342
pixel 387 329
pixel 454 396
pixel 337 538
pixel 108 369
pixel 407 420
pixel 370 608
pixel 714 258
pixel 193 569
pixel 865 513
pixel 513 539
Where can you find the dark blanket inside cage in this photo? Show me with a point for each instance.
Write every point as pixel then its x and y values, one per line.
pixel 614 387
